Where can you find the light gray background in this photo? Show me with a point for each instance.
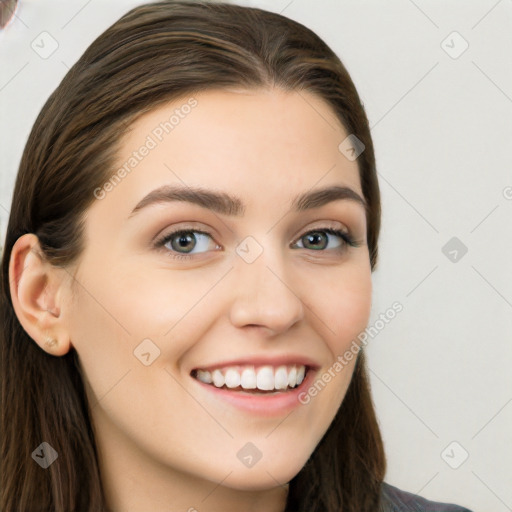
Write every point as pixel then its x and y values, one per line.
pixel 442 127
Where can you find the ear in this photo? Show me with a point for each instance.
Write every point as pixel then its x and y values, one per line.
pixel 38 293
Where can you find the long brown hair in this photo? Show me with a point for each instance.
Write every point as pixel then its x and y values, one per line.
pixel 154 54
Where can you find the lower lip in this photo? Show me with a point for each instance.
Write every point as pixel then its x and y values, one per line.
pixel 267 405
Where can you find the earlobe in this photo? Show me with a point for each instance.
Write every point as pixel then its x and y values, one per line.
pixel 36 291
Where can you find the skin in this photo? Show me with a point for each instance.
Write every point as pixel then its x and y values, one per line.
pixel 164 443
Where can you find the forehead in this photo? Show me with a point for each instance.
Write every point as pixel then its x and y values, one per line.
pixel 263 145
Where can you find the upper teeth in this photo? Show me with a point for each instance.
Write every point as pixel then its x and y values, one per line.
pixel 265 378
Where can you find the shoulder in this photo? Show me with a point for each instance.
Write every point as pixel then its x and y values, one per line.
pixel 396 500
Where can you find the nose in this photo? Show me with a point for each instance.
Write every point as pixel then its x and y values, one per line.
pixel 264 295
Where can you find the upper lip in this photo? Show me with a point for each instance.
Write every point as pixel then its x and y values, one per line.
pixel 277 360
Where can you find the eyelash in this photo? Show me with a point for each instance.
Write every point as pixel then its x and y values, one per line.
pixel 348 240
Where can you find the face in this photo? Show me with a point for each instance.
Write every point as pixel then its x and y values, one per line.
pixel 246 293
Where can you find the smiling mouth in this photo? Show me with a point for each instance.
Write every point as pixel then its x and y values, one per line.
pixel 264 379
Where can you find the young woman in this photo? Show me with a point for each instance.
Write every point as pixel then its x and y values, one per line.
pixel 187 270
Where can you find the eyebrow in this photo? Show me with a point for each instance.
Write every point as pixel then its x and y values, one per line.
pixel 227 204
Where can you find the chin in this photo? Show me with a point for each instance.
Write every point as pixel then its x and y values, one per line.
pixel 263 476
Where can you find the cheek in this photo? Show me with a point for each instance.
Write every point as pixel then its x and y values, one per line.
pixel 342 310
pixel 111 315
pixel 119 307
pixel 343 305
pixel 101 335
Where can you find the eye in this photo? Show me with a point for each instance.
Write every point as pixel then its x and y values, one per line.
pixel 314 238
pixel 186 240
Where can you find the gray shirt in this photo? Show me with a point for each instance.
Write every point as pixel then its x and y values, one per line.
pixel 396 500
